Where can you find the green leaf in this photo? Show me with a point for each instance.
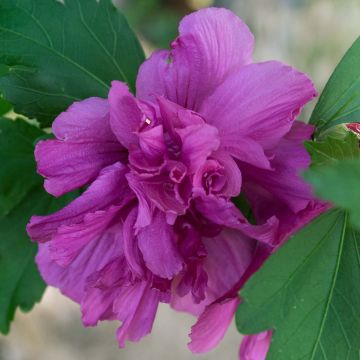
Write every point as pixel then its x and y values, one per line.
pixel 53 54
pixel 340 100
pixel 331 150
pixel 20 282
pixel 309 293
pixel 5 107
pixel 18 168
pixel 338 183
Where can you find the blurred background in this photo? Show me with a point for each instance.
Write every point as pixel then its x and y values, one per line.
pixel 311 35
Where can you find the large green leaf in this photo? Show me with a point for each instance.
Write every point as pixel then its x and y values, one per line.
pixel 21 195
pixel 18 169
pixel 309 293
pixel 53 54
pixel 5 107
pixel 20 282
pixel 340 100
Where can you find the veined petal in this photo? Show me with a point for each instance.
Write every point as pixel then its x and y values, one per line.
pixel 70 240
pixel 85 144
pixel 212 44
pixel 157 244
pixel 255 347
pixel 260 102
pixel 85 120
pixel 212 325
pixel 110 188
pixel 125 114
pixel 136 307
pixel 72 280
pixel 69 165
pixel 198 142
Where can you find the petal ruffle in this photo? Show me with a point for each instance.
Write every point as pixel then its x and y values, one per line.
pixel 212 44
pixel 72 280
pixel 110 188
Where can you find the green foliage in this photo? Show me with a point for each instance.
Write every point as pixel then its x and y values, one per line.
pixel 309 293
pixel 20 282
pixel 339 183
pixel 52 54
pixel 5 107
pixel 21 195
pixel 340 100
pixel 331 150
pixel 18 170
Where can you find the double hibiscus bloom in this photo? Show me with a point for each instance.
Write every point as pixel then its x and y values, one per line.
pixel 156 222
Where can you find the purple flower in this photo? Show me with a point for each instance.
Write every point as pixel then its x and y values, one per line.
pixel 156 222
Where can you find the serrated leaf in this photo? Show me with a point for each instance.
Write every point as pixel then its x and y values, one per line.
pixel 331 150
pixel 340 100
pixel 338 183
pixel 52 54
pixel 309 293
pixel 18 168
pixel 20 282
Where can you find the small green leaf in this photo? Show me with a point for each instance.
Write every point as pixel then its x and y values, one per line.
pixel 52 54
pixel 18 168
pixel 338 183
pixel 331 150
pixel 340 100
pixel 309 293
pixel 20 282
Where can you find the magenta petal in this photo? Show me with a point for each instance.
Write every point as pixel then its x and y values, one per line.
pixel 157 244
pixel 255 347
pixel 136 307
pixel 72 280
pixel 198 142
pixel 110 188
pixel 85 145
pixel 85 120
pixel 232 174
pixel 212 325
pixel 225 213
pixel 145 207
pixel 259 102
pixel 69 165
pixel 230 253
pixel 212 44
pixel 284 182
pixel 125 114
pixel 70 240
pixel 131 249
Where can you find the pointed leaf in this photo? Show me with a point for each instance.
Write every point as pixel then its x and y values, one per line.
pixel 52 53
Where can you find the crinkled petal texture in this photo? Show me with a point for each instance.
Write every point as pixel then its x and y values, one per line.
pixel 255 347
pixel 85 145
pixel 213 43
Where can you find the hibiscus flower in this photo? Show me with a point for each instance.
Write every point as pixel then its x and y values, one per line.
pixel 156 222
